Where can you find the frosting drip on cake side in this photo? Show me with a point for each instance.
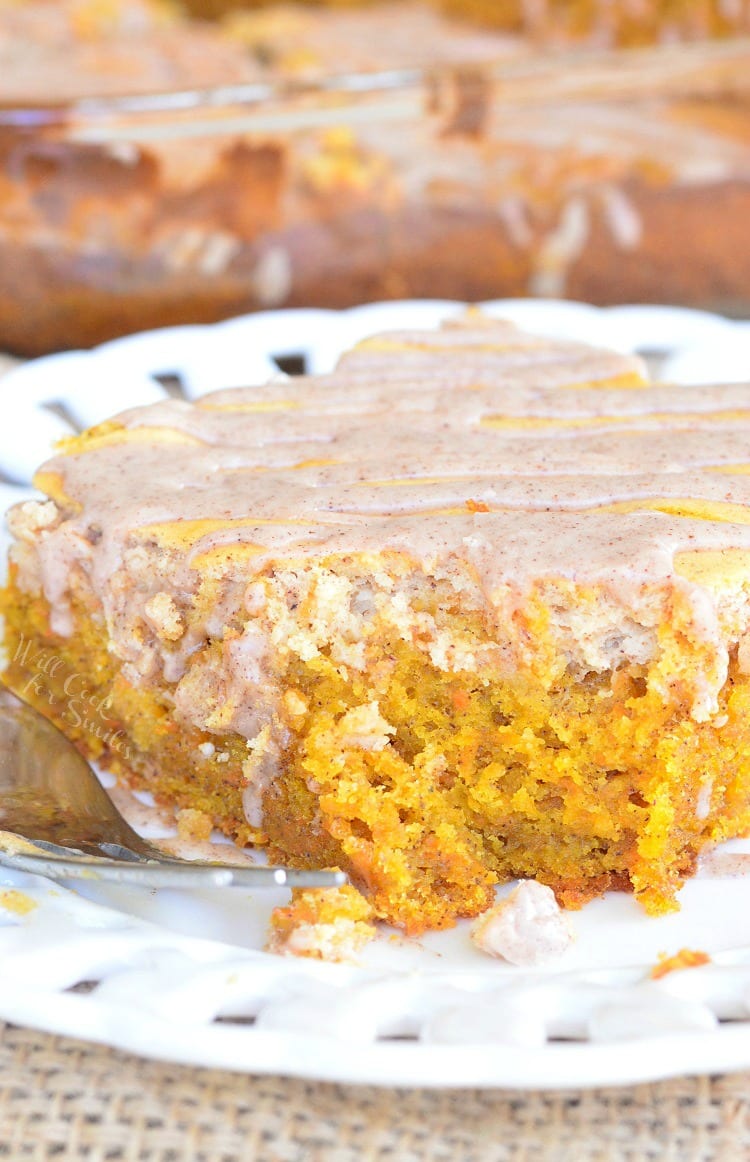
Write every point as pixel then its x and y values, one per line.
pixel 497 462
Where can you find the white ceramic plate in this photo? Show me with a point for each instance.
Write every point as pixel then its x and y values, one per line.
pixel 182 976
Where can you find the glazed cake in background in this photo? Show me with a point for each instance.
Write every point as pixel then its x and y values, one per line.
pixel 602 22
pixel 469 166
pixel 474 606
pixel 609 22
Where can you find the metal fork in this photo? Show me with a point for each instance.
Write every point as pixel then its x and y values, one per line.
pixel 57 820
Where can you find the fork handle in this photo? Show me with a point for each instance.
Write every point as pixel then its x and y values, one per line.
pixel 170 875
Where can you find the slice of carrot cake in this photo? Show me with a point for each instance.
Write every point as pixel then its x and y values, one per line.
pixel 475 606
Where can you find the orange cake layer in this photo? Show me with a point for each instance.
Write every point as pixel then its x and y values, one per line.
pixel 475 606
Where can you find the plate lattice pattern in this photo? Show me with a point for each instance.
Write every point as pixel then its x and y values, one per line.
pixel 71 966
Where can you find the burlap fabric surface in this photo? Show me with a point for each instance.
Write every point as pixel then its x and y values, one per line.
pixel 65 1100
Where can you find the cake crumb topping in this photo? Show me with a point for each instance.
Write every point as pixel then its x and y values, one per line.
pixel 30 517
pixel 526 928
pixel 164 616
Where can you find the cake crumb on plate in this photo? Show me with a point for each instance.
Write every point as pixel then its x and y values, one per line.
pixel 685 958
pixel 526 928
pixel 322 923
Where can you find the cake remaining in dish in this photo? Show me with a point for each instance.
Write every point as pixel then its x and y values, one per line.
pixel 622 22
pixel 473 607
pixel 607 22
pixel 458 162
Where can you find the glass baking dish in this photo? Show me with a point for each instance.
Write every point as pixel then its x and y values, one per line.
pixel 614 177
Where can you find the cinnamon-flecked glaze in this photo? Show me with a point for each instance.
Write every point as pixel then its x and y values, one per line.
pixel 480 454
